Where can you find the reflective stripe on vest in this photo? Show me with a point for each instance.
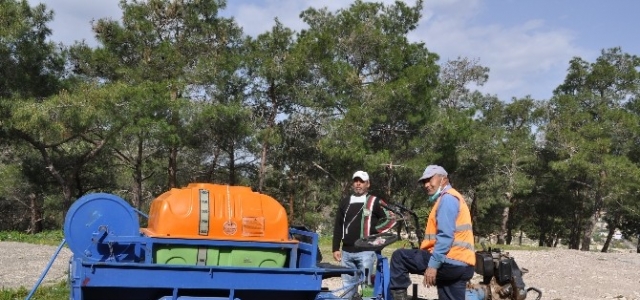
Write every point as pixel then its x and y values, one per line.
pixel 462 248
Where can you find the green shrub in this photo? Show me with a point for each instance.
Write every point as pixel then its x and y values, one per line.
pixel 53 237
pixel 59 291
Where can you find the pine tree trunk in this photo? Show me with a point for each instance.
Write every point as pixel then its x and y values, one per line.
pixel 607 241
pixel 503 226
pixel 520 238
pixel 172 169
pixel 136 200
pixel 291 196
pixel 232 164
pixel 597 210
pixel 35 214
pixel 173 165
pixel 263 166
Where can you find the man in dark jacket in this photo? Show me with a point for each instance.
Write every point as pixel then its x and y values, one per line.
pixel 358 216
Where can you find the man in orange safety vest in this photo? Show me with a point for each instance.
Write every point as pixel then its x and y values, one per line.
pixel 446 256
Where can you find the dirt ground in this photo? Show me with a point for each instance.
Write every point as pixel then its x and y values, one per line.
pixel 559 274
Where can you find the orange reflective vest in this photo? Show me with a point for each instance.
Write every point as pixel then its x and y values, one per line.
pixel 462 248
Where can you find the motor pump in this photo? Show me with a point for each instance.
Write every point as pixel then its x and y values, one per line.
pixel 501 278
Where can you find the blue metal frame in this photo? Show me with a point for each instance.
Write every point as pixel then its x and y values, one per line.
pixel 131 275
pixel 300 274
pixel 113 260
pixel 381 283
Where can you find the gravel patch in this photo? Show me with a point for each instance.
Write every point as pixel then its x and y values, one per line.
pixel 21 264
pixel 563 274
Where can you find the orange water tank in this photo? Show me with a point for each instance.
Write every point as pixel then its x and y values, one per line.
pixel 213 211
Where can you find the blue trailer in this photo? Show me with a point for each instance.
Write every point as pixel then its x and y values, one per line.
pixel 113 258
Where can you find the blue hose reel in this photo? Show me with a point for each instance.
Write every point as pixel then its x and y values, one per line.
pixel 94 217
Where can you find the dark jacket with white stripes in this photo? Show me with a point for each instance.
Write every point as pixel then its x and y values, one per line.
pixel 351 222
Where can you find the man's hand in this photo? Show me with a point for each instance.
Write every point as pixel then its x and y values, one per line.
pixel 337 255
pixel 430 277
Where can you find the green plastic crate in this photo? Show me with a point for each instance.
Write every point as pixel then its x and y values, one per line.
pixel 221 256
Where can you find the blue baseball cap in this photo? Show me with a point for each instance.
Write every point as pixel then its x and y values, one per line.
pixel 431 171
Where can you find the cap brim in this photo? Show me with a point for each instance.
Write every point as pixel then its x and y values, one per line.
pixel 426 176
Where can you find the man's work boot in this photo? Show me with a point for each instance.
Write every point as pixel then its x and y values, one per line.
pixel 400 294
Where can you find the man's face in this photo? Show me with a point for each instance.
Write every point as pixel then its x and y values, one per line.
pixel 431 185
pixel 360 187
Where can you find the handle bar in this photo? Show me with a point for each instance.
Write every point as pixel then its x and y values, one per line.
pixel 401 210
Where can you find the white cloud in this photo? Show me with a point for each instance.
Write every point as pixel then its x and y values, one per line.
pixel 72 18
pixel 256 17
pixel 529 57
pixel 517 56
pixel 530 52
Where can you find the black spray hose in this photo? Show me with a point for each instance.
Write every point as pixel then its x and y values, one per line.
pixel 537 291
pixel 400 210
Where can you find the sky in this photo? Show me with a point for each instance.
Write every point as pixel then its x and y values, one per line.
pixel 526 44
